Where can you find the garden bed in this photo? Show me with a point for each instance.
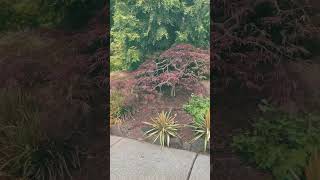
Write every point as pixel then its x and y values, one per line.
pixel 133 126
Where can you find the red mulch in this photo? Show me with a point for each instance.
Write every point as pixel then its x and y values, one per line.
pixel 145 110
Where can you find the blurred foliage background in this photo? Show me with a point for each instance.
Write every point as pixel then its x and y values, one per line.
pixel 68 14
pixel 141 27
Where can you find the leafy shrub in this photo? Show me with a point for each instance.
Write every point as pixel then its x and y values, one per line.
pixel 202 129
pixel 16 14
pixel 180 66
pixel 139 28
pixel 254 40
pixel 163 127
pixel 312 170
pixel 197 107
pixel 25 150
pixel 280 143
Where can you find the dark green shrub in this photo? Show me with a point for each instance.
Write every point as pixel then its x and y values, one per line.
pixel 17 14
pixel 69 14
pixel 280 143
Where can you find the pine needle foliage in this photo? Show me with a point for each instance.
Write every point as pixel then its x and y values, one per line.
pixel 141 27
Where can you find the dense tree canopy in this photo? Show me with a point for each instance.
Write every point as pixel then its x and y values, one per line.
pixel 141 27
pixel 18 14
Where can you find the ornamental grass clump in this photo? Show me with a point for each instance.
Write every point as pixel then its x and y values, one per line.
pixel 163 127
pixel 116 107
pixel 202 130
pixel 26 151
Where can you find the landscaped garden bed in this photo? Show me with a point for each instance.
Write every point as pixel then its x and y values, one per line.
pixel 188 103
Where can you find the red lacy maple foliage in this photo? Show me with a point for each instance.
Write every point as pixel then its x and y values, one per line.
pixel 68 84
pixel 181 66
pixel 252 40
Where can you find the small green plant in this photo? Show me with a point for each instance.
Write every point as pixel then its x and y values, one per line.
pixel 26 151
pixel 312 171
pixel 280 143
pixel 163 127
pixel 202 130
pixel 197 107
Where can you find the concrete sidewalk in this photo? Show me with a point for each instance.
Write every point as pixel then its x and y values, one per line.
pixel 136 160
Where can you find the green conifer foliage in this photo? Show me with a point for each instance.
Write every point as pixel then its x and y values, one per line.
pixel 142 27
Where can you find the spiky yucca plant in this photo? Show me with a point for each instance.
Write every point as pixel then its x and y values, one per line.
pixel 163 127
pixel 202 129
pixel 312 171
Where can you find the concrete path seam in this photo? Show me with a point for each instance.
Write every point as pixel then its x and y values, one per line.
pixel 194 160
pixel 116 142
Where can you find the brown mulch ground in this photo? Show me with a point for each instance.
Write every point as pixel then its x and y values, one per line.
pixel 143 111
